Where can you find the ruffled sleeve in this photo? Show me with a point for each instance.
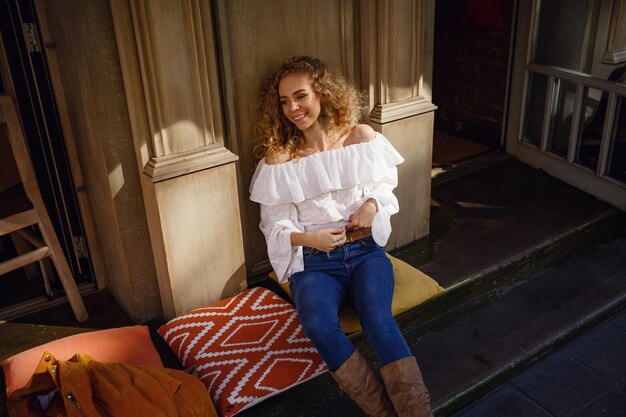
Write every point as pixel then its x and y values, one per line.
pixel 387 203
pixel 278 222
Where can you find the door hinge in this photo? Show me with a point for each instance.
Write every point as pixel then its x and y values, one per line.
pixel 30 36
pixel 79 246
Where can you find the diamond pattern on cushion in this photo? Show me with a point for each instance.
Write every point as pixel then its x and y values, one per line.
pixel 245 348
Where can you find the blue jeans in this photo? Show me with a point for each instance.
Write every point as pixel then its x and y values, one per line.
pixel 359 273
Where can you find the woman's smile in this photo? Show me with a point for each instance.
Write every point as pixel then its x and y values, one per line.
pixel 299 117
pixel 299 101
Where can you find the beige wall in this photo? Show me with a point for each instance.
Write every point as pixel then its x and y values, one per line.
pixel 320 28
pixel 397 45
pixel 412 137
pixel 163 126
pixel 170 72
pixel 90 91
pixel 383 46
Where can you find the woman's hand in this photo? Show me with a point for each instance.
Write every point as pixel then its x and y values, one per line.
pixel 325 240
pixel 363 216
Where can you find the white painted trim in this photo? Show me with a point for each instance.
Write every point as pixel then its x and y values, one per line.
pixel 566 169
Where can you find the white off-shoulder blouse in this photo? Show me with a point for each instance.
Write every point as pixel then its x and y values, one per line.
pixel 321 191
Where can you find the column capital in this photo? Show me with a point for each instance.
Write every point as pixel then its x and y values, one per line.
pixel 169 63
pixel 173 165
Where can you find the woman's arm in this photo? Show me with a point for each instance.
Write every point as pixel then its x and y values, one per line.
pixel 285 237
pixel 325 240
pixel 363 216
pixel 387 205
pixel 278 223
pixel 282 232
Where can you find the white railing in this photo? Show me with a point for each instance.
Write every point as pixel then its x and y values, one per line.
pixel 583 81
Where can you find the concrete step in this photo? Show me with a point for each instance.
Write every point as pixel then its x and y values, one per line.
pixel 527 263
pixel 475 345
pixel 490 217
pixel 485 235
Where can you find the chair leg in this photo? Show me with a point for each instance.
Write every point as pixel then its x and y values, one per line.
pixel 22 246
pixel 62 267
pixel 69 285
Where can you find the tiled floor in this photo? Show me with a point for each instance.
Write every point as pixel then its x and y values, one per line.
pixel 585 378
pixel 59 321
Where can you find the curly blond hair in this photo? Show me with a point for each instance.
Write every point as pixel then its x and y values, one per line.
pixel 341 107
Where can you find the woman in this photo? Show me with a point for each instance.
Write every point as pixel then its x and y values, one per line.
pixel 325 189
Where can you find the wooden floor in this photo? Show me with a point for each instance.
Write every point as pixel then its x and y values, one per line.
pixel 59 321
pixel 449 149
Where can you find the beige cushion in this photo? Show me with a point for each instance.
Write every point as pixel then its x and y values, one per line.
pixel 412 287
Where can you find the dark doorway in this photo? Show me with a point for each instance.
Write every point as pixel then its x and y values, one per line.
pixel 30 82
pixel 470 67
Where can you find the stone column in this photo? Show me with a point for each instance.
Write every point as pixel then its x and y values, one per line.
pixel 168 58
pixel 397 55
pixel 615 51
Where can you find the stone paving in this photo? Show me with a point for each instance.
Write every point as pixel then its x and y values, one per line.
pixel 585 378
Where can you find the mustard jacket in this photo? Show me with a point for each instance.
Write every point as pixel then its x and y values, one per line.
pixel 82 387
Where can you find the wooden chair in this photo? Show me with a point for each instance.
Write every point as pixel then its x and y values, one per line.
pixel 22 206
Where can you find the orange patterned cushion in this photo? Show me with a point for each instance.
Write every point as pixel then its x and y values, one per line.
pixel 245 348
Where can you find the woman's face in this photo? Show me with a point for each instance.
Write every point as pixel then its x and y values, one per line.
pixel 299 101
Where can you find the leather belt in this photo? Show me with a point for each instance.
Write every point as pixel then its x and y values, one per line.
pixel 354 235
pixel 351 236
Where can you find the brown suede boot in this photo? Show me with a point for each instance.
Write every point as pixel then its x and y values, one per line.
pixel 359 381
pixel 405 386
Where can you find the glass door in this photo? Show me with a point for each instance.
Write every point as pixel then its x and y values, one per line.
pixel 567 103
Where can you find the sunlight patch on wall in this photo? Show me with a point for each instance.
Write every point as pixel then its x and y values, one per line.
pixel 116 180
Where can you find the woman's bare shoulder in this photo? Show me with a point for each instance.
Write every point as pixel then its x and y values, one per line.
pixel 360 133
pixel 278 157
